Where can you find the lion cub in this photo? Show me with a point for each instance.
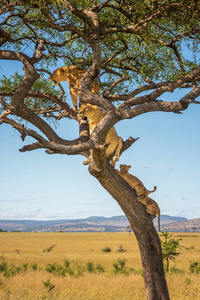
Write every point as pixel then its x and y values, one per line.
pixel 152 208
pixel 73 75
pixel 94 115
pixel 134 182
pixel 142 193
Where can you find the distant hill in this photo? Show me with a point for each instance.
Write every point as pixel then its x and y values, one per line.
pixel 95 224
pixel 185 226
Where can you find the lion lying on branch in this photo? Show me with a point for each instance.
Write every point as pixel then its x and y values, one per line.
pixel 73 75
pixel 142 193
pixel 115 143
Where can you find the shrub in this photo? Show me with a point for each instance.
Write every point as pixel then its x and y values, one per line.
pixel 194 267
pixel 99 268
pixel 51 268
pixel 48 285
pixel 170 248
pixel 12 271
pixel 90 267
pixel 57 269
pixel 49 249
pixel 121 249
pixel 119 266
pixel 176 270
pixel 106 249
pixel 25 266
pixel 187 281
pixel 191 248
pixel 3 266
pixel 80 270
pixel 70 271
pixel 34 266
pixel 66 263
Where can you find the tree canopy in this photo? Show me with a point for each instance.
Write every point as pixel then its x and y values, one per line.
pixel 138 51
pixel 133 47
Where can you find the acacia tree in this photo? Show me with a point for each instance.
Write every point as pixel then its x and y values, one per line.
pixel 135 48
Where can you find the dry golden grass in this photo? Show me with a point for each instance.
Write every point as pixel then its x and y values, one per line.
pixel 87 287
pixel 79 249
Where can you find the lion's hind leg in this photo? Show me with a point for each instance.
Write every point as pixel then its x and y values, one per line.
pixel 151 211
pixel 74 95
pixel 117 152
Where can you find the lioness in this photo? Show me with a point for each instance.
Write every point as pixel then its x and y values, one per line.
pixel 134 182
pixel 73 75
pixel 142 193
pixel 94 115
pixel 152 208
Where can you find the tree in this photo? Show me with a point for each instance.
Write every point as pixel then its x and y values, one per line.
pixel 169 248
pixel 194 228
pixel 135 48
pixel 128 229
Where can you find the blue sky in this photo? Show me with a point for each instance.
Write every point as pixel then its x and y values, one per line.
pixel 38 186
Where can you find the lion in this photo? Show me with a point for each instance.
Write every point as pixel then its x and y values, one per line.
pixel 73 75
pixel 152 208
pixel 142 193
pixel 134 182
pixel 94 115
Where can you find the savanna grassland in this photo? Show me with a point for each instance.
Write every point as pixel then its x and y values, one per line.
pixel 86 266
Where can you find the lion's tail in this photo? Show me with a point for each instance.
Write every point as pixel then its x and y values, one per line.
pixel 154 189
pixel 159 221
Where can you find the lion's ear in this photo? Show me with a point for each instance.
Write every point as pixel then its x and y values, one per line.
pixel 60 70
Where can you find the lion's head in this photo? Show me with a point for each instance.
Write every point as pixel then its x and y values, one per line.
pixel 66 73
pixel 88 110
pixel 124 169
pixel 59 75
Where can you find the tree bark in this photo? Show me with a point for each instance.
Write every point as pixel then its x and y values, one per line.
pixel 141 222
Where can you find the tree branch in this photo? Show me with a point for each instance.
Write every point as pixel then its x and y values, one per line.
pixel 128 143
pixel 141 25
pixel 81 14
pixel 175 107
pixel 137 91
pixel 114 84
pixel 22 90
pixel 31 147
pixel 170 87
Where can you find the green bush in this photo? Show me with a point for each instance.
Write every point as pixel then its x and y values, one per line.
pixel 176 270
pixel 61 270
pixel 25 266
pixel 3 266
pixel 170 248
pixel 106 249
pixel 66 263
pixel 49 249
pixel 121 249
pixel 99 268
pixel 194 267
pixel 90 267
pixel 48 285
pixel 13 270
pixel 34 266
pixel 188 281
pixel 119 266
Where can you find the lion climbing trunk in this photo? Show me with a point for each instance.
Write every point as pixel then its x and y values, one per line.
pixel 154 189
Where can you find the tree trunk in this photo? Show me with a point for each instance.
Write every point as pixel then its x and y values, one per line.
pixel 141 222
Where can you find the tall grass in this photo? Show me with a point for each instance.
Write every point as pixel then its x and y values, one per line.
pixel 78 269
